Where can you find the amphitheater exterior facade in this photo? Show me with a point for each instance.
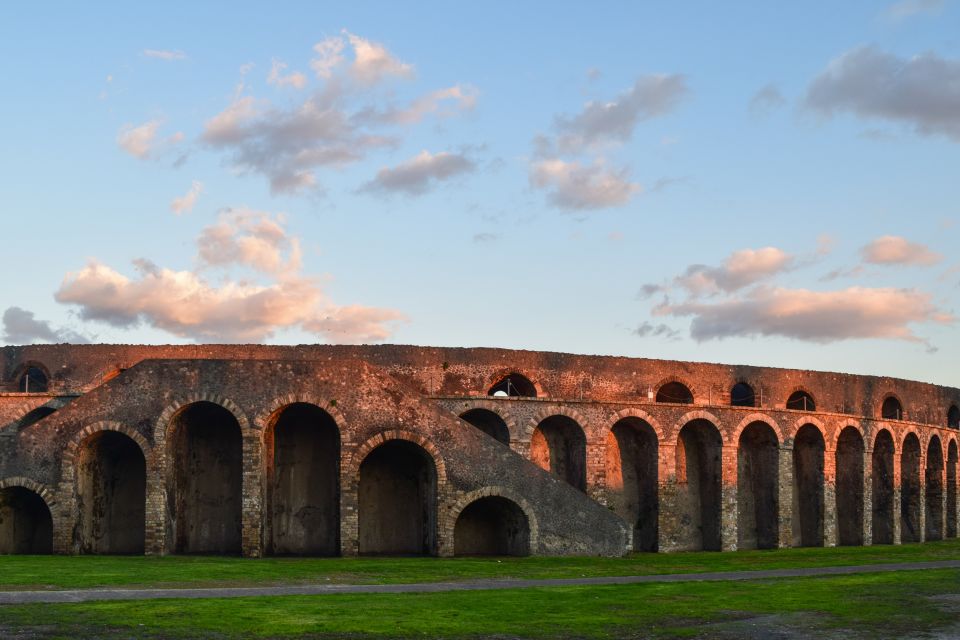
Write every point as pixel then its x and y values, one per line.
pixel 345 450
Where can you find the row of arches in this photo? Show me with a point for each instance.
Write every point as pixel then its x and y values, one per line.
pixel 397 495
pixel 742 394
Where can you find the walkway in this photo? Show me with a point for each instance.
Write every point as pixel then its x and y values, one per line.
pixel 87 595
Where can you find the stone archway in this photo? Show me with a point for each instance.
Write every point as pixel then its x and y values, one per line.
pixel 933 491
pixel 492 526
pixel 882 488
pixel 559 446
pixel 26 526
pixel 758 471
pixel 631 479
pixel 910 498
pixel 849 487
pixel 699 473
pixel 808 500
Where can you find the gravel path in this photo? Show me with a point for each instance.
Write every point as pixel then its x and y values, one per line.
pixel 87 595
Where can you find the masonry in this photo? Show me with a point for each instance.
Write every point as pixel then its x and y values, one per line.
pixel 345 450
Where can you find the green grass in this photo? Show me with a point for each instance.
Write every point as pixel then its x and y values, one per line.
pixel 76 572
pixel 890 605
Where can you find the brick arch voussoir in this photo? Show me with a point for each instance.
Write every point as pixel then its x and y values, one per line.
pixel 38 488
pixel 548 412
pixel 757 416
pixel 262 420
pixel 84 434
pixel 699 414
pixel 161 433
pixel 889 394
pixel 904 433
pixel 493 407
pixel 640 414
pixel 943 449
pixel 502 373
pixel 880 428
pixel 452 513
pixel 352 471
pixel 803 421
pixel 842 426
pixel 685 382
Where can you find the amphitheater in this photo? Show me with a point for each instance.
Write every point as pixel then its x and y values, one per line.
pixel 345 450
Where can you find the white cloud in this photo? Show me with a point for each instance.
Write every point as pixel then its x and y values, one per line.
pixel 165 54
pixel 138 140
pixel 460 97
pixel 416 175
pixel 572 185
pixel 186 202
pixel 894 250
pixel 293 79
pixel 22 327
pixel 814 316
pixel 741 269
pixel 922 91
pixel 329 56
pixel 187 304
pixel 372 62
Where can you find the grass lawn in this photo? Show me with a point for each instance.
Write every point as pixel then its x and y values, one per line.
pixel 892 605
pixel 74 572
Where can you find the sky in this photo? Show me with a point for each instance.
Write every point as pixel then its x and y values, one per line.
pixel 752 183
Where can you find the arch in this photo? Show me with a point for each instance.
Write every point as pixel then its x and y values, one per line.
pixel 26 524
pixel 397 500
pixel 633 412
pixel 933 490
pixel 699 476
pixel 361 452
pixel 674 392
pixel 262 420
pixel 302 461
pixel 910 489
pixel 205 445
pixel 500 408
pixel 742 395
pixel 513 385
pixel 489 422
pixel 758 473
pixel 952 489
pixel 752 418
pixel 491 526
pixel 32 377
pixel 632 478
pixel 559 445
pixel 109 469
pixel 808 500
pixel 801 400
pixel 849 486
pixel 892 408
pixel 882 487
pixel 953 417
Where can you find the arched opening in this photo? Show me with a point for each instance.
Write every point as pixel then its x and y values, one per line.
pixel 488 422
pixel 674 392
pixel 952 490
pixel 25 523
pixel 742 395
pixel 513 386
pixel 801 401
pixel 808 450
pixel 953 417
pixel 398 500
pixel 33 380
pixel 632 479
pixel 758 464
pixel 559 446
pixel 302 449
pixel 882 488
pixel 699 486
pixel 492 526
pixel 35 416
pixel 891 409
pixel 933 491
pixel 111 495
pixel 207 455
pixel 910 490
pixel 849 461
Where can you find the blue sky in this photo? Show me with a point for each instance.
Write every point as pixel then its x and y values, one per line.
pixel 761 183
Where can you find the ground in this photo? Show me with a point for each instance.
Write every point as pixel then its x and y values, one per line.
pixel 910 604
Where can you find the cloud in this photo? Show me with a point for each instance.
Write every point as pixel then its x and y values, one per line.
pixel 293 79
pixel 247 238
pixel 768 98
pixel 165 54
pixel 22 327
pixel 186 202
pixel 739 270
pixel 922 91
pixel 572 185
pixel 814 316
pixel 650 330
pixel 485 237
pixel 415 176
pixel 337 125
pixel 613 122
pixel 894 250
pixel 187 304
pixel 139 140
pixel 910 8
